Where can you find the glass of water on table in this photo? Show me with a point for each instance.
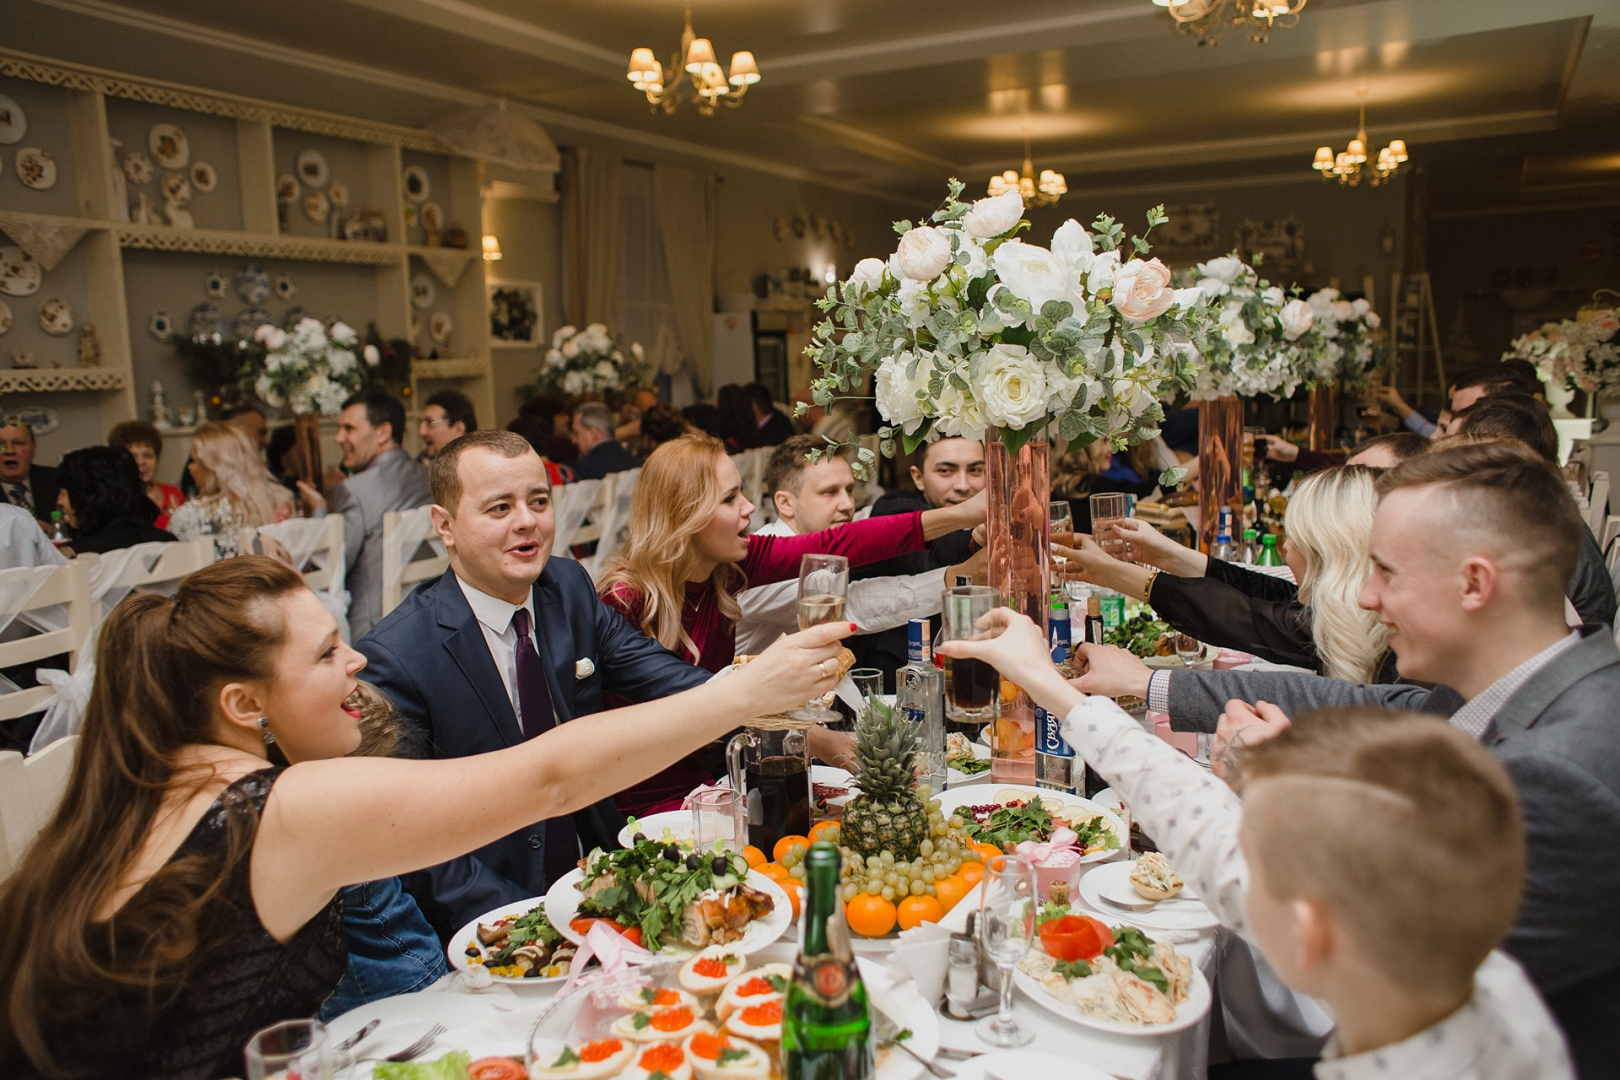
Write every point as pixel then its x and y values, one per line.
pixel 823 589
pixel 1107 508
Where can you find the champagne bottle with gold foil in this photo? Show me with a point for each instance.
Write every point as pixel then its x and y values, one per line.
pixel 826 1023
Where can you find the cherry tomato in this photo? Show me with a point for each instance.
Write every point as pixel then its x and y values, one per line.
pixel 496 1068
pixel 1075 937
pixel 634 934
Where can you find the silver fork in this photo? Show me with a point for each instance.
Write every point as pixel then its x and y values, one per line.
pixel 419 1047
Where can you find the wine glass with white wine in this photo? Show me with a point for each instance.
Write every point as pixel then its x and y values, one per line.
pixel 823 590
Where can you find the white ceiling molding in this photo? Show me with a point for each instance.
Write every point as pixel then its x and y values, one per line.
pixel 493 28
pixel 853 138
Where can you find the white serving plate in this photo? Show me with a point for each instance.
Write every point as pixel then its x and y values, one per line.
pixel 677 822
pixel 1026 1063
pixel 562 906
pixel 953 778
pixel 1188 1013
pixel 456 951
pixel 901 1002
pixel 1114 879
pixel 980 794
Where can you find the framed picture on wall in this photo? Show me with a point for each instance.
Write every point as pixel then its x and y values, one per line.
pixel 514 314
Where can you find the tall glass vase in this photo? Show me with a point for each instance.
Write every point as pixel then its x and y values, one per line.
pixel 1324 416
pixel 1020 487
pixel 1220 465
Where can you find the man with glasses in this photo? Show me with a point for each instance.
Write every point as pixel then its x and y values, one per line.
pixel 446 417
pixel 32 487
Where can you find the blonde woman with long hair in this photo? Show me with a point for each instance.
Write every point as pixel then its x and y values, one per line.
pixel 1317 625
pixel 234 489
pixel 690 555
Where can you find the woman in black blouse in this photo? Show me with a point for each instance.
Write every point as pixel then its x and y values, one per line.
pixel 105 502
pixel 1317 625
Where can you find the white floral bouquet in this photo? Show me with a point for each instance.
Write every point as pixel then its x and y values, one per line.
pixel 1583 354
pixel 973 332
pixel 589 362
pixel 309 368
pixel 1264 342
pixel 1348 328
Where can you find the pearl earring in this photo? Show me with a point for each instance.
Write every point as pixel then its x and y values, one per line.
pixel 264 726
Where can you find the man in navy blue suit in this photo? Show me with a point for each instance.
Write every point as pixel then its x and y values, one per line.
pixel 457 658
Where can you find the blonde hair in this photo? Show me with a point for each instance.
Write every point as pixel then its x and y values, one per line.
pixel 237 473
pixel 1329 523
pixel 1406 829
pixel 675 498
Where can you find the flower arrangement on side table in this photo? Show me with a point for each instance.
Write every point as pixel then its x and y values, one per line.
pixel 1582 354
pixel 588 362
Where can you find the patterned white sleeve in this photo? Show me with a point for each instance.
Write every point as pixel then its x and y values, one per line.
pixel 1190 814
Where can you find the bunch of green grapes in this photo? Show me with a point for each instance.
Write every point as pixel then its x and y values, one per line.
pixel 940 855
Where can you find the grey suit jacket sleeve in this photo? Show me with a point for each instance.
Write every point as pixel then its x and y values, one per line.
pixel 354 523
pixel 1197 698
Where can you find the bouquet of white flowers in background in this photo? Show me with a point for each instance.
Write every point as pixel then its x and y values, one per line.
pixel 1263 342
pixel 588 362
pixel 1347 327
pixel 1583 354
pixel 309 368
pixel 973 332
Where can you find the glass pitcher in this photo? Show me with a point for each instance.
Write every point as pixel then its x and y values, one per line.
pixel 773 768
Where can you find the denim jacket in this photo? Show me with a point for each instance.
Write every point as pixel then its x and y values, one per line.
pixel 392 950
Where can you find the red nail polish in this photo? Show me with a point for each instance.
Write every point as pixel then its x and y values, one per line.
pixel 852 628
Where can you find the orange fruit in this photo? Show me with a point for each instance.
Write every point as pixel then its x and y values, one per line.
pixel 756 858
pixel 916 910
pixel 785 845
pixel 971 872
pixel 950 890
pixel 821 827
pixel 987 851
pixel 794 891
pixel 775 871
pixel 870 916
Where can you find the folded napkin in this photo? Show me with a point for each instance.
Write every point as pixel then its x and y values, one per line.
pixel 479 981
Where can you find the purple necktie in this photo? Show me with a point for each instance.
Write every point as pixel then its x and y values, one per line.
pixel 535 716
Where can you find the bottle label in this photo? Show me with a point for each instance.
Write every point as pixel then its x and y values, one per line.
pixel 1049 735
pixel 913 714
pixel 832 982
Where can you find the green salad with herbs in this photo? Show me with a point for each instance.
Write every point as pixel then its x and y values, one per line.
pixel 1141 634
pixel 1014 823
pixel 651 884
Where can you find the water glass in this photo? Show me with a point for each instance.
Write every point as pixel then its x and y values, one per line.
pixel 972 687
pixel 1107 508
pixel 717 816
pixel 290 1050
pixel 1060 516
pixel 1007 906
pixel 1188 650
pixel 868 684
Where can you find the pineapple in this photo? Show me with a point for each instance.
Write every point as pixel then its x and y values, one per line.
pixel 888 814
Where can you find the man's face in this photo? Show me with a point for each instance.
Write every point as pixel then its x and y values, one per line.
pixel 500 537
pixel 826 497
pixel 1462 399
pixel 1415 586
pixel 16 452
pixel 952 471
pixel 254 425
pixel 437 431
pixel 358 439
pixel 585 436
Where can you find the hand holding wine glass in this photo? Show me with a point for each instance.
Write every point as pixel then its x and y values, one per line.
pixel 823 591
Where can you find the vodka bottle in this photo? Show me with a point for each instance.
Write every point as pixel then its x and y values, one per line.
pixel 920 695
pixel 1054 757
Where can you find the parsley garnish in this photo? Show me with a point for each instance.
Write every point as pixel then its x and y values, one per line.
pixel 1050 911
pixel 902 1035
pixel 649 995
pixel 640 1020
pixel 778 983
pixel 1130 950
pixel 568 1058
pixel 730 1054
pixel 1072 969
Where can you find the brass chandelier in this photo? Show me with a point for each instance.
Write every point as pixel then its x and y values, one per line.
pixel 695 75
pixel 1347 165
pixel 1042 190
pixel 1204 19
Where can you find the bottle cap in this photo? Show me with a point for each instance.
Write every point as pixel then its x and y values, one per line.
pixel 1268 540
pixel 1250 534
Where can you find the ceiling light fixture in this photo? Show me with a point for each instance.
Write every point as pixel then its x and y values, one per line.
pixel 696 76
pixel 1042 190
pixel 1204 19
pixel 1346 166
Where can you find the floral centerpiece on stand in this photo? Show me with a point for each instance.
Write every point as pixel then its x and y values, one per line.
pixel 1580 354
pixel 1264 341
pixel 308 369
pixel 1350 353
pixel 589 363
pixel 968 330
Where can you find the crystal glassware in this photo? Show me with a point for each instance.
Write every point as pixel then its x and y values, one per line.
pixel 1007 908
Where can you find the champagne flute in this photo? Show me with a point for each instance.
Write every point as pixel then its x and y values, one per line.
pixel 1006 928
pixel 823 589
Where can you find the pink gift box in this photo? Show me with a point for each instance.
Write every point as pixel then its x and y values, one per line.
pixel 1058 866
pixel 1229 659
pixel 1185 741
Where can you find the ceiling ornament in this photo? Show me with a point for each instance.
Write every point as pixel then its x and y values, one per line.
pixel 1205 19
pixel 694 75
pixel 1347 165
pixel 495 135
pixel 1043 189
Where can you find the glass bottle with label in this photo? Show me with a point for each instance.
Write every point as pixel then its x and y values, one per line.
pixel 826 1022
pixel 920 695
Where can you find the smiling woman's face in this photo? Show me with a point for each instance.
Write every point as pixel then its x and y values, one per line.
pixel 725 538
pixel 306 700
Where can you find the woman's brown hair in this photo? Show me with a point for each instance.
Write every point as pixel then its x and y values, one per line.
pixel 159 666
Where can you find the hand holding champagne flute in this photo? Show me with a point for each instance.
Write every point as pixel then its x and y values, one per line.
pixel 823 590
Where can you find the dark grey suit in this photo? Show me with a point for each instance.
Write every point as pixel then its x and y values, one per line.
pixel 1559 738
pixel 391 482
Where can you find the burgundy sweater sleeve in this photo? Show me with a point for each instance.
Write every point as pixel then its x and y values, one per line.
pixel 776 558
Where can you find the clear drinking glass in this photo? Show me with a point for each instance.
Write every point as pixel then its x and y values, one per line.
pixel 972 687
pixel 823 588
pixel 1006 928
pixel 1060 515
pixel 1107 508
pixel 290 1050
pixel 868 684
pixel 1188 650
pixel 717 815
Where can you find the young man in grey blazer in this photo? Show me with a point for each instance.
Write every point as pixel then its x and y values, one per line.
pixel 1471 549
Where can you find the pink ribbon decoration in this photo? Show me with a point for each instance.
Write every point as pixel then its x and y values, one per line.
pixel 1063 841
pixel 615 953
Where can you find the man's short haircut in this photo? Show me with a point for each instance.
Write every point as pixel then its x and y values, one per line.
pixel 1506 492
pixel 1405 828
pixel 597 417
pixel 457 409
pixel 785 469
pixel 136 433
pixel 1511 416
pixel 381 408
pixel 661 423
pixel 759 395
pixel 444 469
pixel 928 448
pixel 1403 444
pixel 1504 377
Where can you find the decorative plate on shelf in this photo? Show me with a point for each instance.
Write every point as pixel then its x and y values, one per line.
pixel 203 176
pixel 286 187
pixel 36 168
pixel 317 207
pixel 216 283
pixel 56 318
pixel 5 317
pixel 208 323
pixel 24 360
pixel 441 328
pixel 248 320
pixel 312 168
pixel 416 184
pixel 169 146
pixel 253 284
pixel 293 317
pixel 286 287
pixel 160 326
pixel 432 217
pixel 423 291
pixel 138 168
pixel 176 188
pixel 20 274
pixel 338 192
pixel 13 121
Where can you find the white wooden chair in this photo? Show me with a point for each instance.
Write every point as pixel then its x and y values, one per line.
pixel 614 521
pixel 178 559
pixel 404 533
pixel 1611 529
pixel 1597 503
pixel 36 589
pixel 48 772
pixel 16 812
pixel 315 544
pixel 572 506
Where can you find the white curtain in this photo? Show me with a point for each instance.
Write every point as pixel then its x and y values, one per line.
pixel 590 240
pixel 684 199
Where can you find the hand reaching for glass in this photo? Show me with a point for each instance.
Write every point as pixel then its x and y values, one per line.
pixel 795 669
pixel 1148 545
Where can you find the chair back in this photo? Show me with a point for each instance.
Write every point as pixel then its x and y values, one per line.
pixel 577 508
pixel 316 547
pixel 614 523
pixel 176 561
pixel 404 566
pixel 61 595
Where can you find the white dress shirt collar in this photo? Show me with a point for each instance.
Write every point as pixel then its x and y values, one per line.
pixel 494 613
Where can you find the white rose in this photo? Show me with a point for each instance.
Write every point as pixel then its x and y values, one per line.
pixel 897 394
pixel 924 253
pixel 272 337
pixel 1360 308
pixel 344 334
pixel 596 330
pixel 563 334
pixel 1296 318
pixel 1073 245
pixel 555 358
pixel 1186 299
pixel 1064 390
pixel 1100 274
pixel 1012 385
pixel 1374 321
pixel 1034 274
pixel 960 413
pixel 867 277
pixel 994 216
pixel 1274 296
pixel 1342 311
pixel 373 356
pixel 1142 289
pixel 575 382
pixel 1226 269
pixel 1233 328
pixel 914 303
pixel 570 348
pixel 1212 287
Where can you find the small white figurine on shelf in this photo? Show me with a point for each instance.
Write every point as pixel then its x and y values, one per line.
pixel 160 408
pixel 179 217
pixel 141 214
pixel 89 346
pixel 199 407
pixel 23 359
pixel 120 183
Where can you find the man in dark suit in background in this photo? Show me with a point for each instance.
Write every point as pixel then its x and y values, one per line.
pixel 599 452
pixel 462 660
pixel 771 425
pixel 32 487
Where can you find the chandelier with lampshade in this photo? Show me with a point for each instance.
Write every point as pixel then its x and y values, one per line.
pixel 1204 19
pixel 1349 166
pixel 1042 189
pixel 694 75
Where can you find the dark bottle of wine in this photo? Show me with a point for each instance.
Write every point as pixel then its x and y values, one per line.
pixel 826 1025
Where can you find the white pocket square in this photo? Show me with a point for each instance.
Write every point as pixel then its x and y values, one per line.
pixel 583 668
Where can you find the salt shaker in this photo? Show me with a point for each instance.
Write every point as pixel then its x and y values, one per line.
pixel 962 981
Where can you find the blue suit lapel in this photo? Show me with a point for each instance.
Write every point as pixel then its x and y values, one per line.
pixel 470 651
pixel 556 638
